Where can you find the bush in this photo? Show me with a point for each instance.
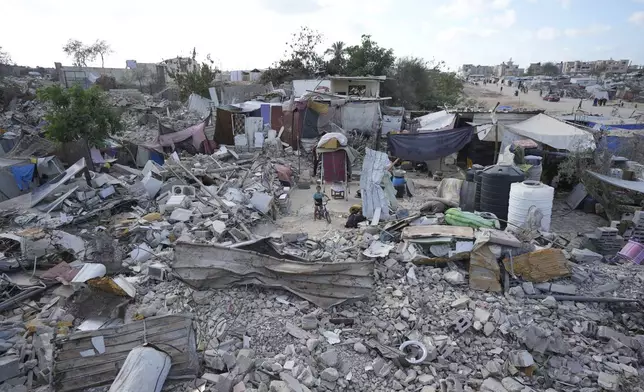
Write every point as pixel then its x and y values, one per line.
pixel 74 114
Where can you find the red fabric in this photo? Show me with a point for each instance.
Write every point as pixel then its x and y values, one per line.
pixel 335 166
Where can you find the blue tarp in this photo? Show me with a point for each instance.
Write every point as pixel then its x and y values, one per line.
pixel 617 126
pixel 23 175
pixel 420 147
pixel 614 143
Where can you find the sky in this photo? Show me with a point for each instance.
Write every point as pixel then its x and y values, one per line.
pixel 253 33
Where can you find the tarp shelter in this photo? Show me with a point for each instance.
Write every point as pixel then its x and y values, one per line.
pixel 392 119
pixel 597 91
pixel 420 147
pixel 16 177
pixel 231 121
pixel 554 133
pixel 192 139
pixel 436 121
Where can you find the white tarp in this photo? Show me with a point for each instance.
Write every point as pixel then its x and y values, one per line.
pixel 554 133
pixel 374 167
pixel 361 116
pixel 597 91
pixel 436 121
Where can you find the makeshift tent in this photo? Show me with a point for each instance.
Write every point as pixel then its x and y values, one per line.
pixel 420 147
pixel 554 133
pixel 436 121
pixel 16 177
pixel 597 91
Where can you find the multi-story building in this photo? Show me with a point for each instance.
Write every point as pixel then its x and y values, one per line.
pixel 478 70
pixel 587 67
pixel 508 69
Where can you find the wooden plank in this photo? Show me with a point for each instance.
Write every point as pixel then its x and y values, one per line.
pixel 105 373
pixel 172 334
pixel 411 232
pixel 134 336
pixel 125 347
pixel 126 328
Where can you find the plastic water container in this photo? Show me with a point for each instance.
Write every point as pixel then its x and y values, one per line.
pixel 633 251
pixel 524 195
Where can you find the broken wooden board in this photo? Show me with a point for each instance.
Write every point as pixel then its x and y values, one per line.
pixel 485 273
pixel 417 232
pixel 539 266
pixel 324 284
pixel 100 364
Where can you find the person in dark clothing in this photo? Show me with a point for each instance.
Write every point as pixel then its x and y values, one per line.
pixel 354 219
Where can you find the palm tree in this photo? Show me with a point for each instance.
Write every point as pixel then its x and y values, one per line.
pixel 337 50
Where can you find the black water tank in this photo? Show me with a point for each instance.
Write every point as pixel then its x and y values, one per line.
pixel 495 188
pixel 477 169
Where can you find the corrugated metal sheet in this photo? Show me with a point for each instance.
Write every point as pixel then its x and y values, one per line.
pixel 324 284
pixel 174 334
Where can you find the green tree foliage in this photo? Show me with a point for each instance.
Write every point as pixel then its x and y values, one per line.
pixel 369 58
pixel 82 53
pixel 338 61
pixel 196 80
pixel 534 70
pixel 74 114
pixel 419 85
pixel 4 57
pixel 102 49
pixel 549 69
pixel 301 59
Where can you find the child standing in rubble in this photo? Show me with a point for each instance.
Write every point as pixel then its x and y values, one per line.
pixel 318 198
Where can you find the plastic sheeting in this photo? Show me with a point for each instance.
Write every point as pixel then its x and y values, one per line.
pixel 420 147
pixel 436 121
pixel 554 133
pixel 361 116
pixel 374 167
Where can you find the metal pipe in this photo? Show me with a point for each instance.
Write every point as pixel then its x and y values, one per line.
pixel 581 298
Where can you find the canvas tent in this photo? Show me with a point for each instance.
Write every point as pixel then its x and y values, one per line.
pixel 554 133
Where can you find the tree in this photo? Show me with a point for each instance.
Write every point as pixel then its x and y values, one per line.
pixel 534 69
pixel 195 80
pixel 301 59
pixel 417 84
pixel 336 65
pixel 82 54
pixel 369 58
pixel 141 74
pixel 549 69
pixel 102 49
pixel 5 58
pixel 75 114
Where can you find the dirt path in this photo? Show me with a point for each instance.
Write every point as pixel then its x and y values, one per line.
pixel 491 94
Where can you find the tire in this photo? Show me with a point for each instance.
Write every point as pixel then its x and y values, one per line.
pixel 327 216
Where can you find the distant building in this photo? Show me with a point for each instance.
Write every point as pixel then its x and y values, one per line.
pixel 479 70
pixel 587 67
pixel 508 69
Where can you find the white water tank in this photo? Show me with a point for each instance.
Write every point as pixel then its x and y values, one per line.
pixel 524 195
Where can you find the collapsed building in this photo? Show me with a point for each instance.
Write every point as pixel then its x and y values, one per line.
pixel 161 256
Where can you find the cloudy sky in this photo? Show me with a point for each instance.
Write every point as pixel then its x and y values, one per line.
pixel 252 33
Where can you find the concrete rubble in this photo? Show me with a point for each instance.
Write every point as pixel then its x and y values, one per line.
pixel 189 258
